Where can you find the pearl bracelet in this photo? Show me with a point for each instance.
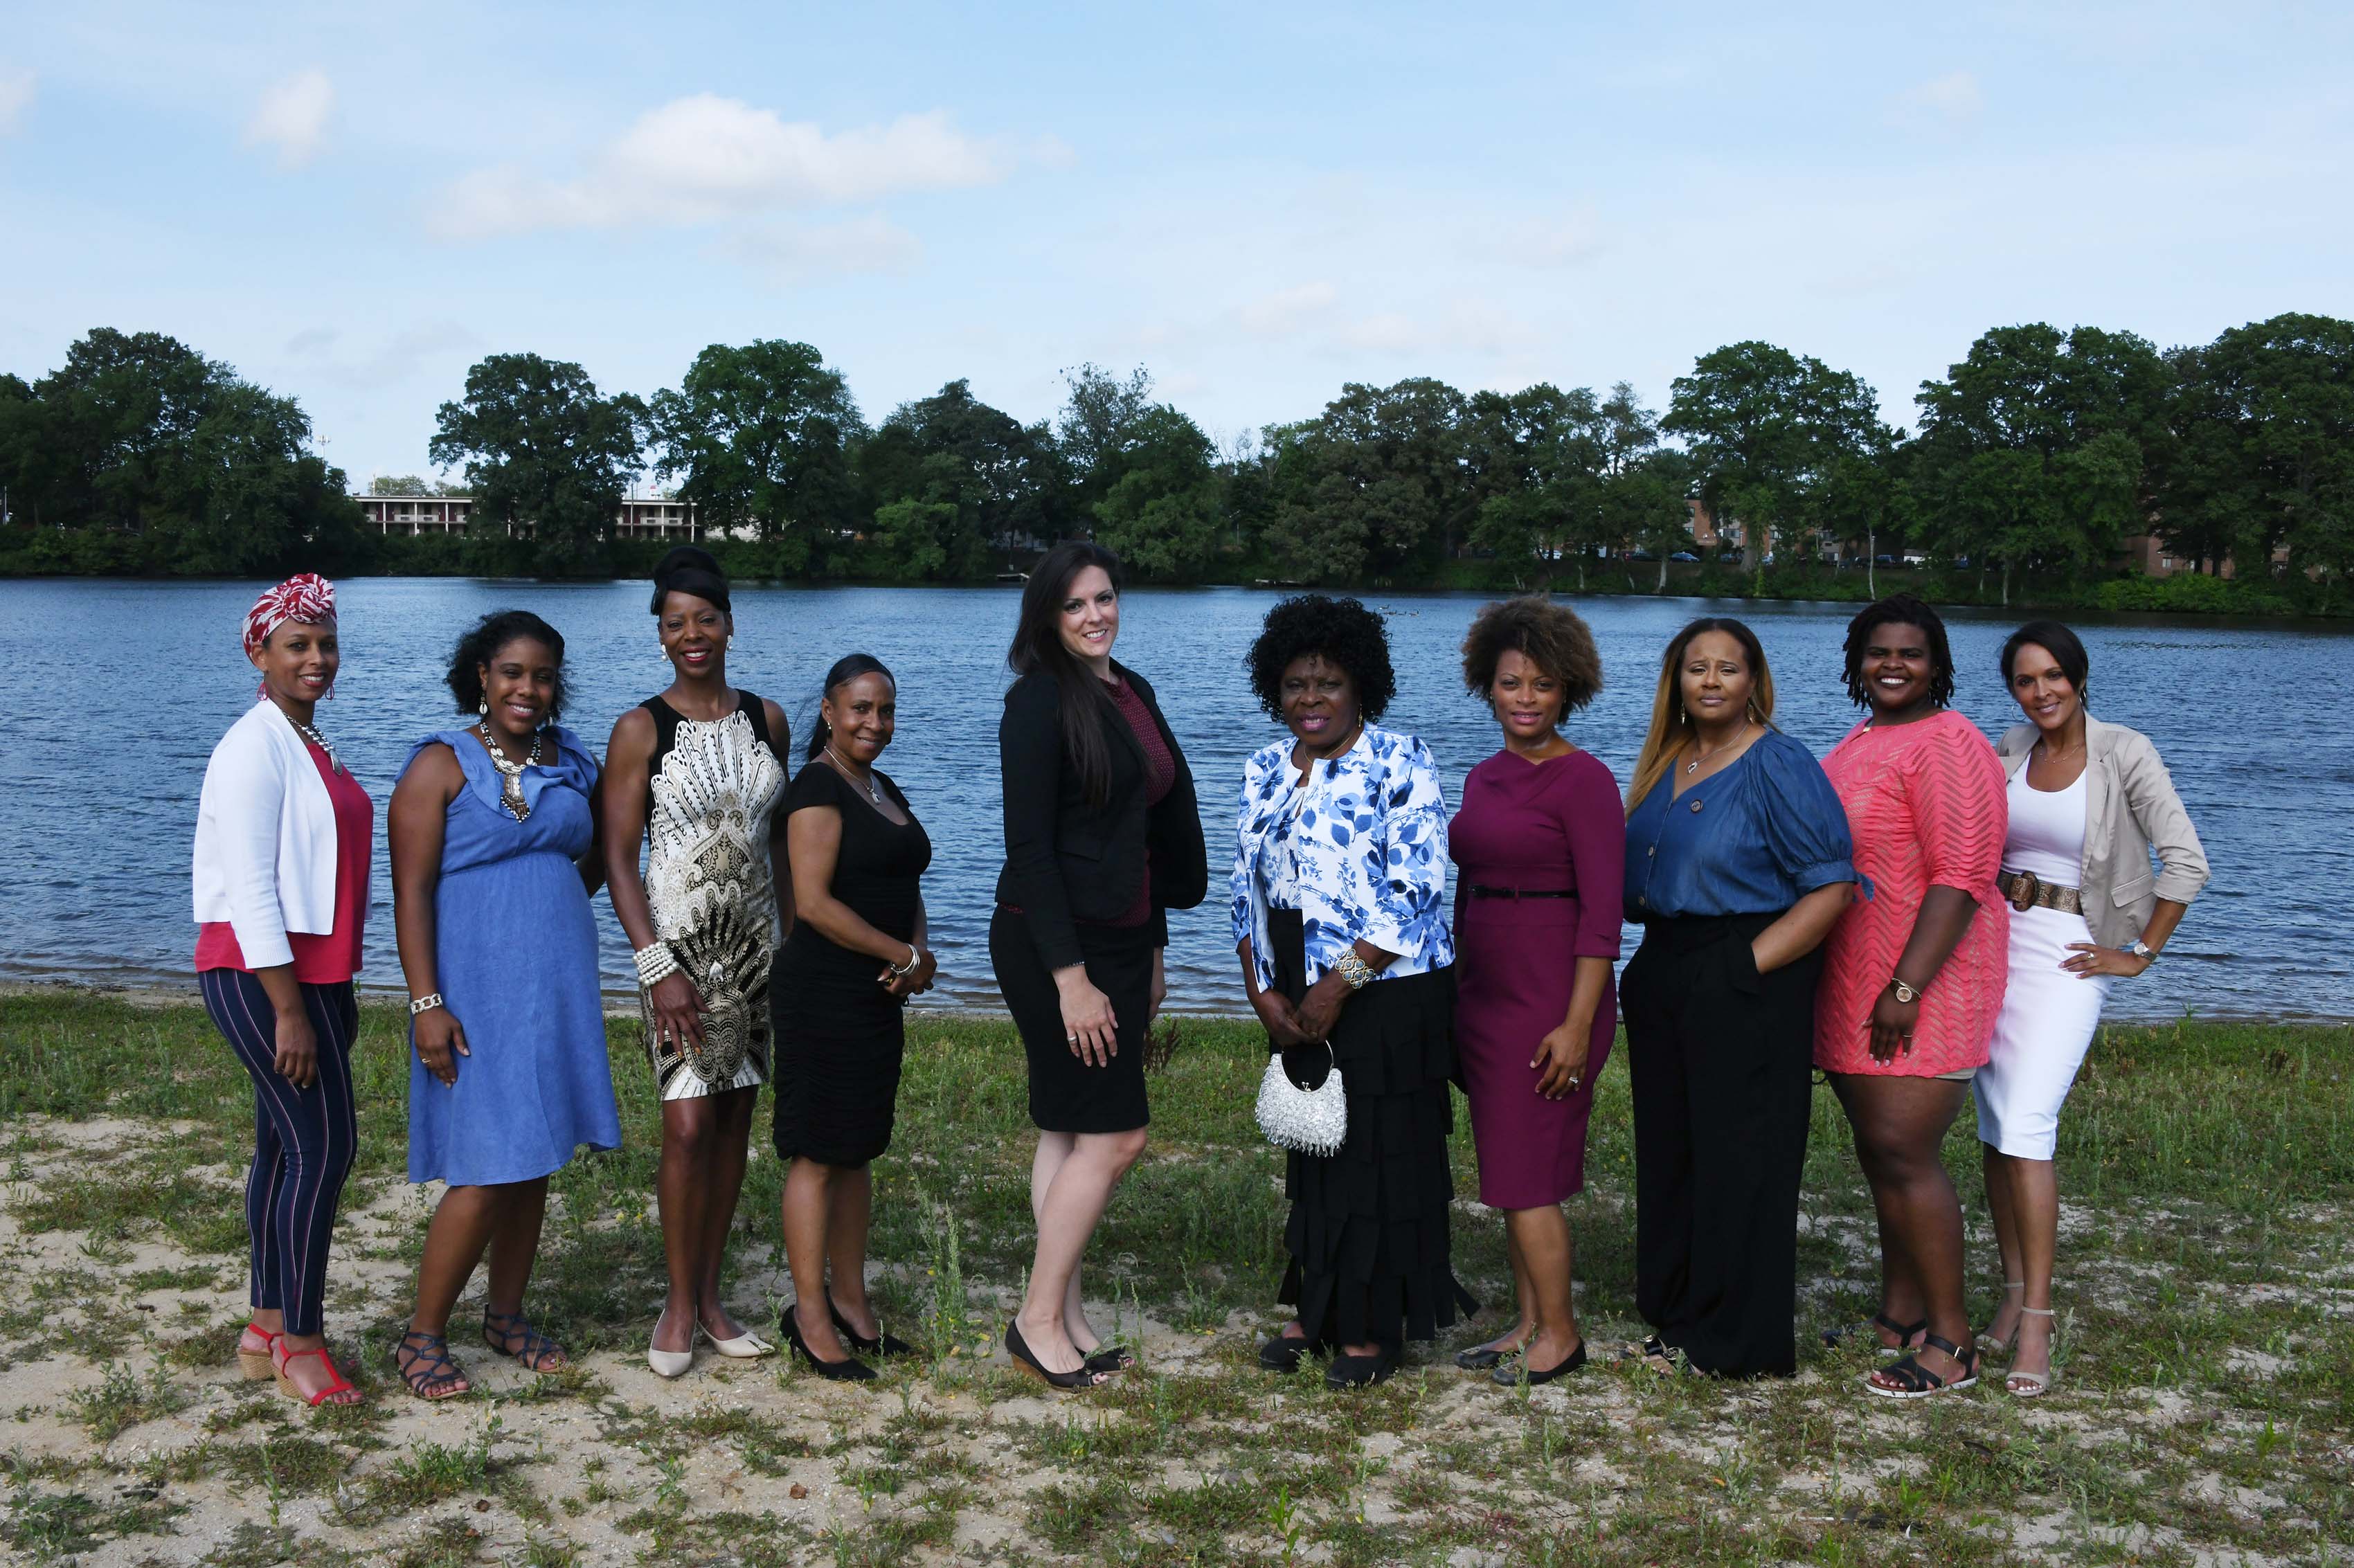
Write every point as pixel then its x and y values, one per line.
pixel 656 963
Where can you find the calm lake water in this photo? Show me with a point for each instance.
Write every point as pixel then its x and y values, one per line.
pixel 124 688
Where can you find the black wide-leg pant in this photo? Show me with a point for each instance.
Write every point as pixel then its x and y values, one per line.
pixel 1722 1063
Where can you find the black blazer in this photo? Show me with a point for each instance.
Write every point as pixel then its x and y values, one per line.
pixel 1067 861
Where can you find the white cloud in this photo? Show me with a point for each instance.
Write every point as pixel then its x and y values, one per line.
pixel 292 118
pixel 1287 311
pixel 1565 240
pixel 16 97
pixel 704 158
pixel 1467 326
pixel 1951 100
pixel 400 355
pixel 790 254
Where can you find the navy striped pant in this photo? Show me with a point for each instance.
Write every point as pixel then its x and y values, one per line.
pixel 304 1139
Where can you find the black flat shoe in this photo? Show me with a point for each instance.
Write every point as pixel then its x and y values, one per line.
pixel 1283 1353
pixel 883 1344
pixel 1018 1349
pixel 1511 1376
pixel 1364 1371
pixel 1480 1357
pixel 850 1369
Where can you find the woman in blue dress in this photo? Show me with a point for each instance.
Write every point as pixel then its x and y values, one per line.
pixel 495 855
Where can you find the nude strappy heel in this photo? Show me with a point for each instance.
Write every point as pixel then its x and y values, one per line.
pixel 2030 1385
pixel 1990 1340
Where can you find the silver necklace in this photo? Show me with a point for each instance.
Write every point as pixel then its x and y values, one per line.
pixel 1693 765
pixel 511 791
pixel 310 733
pixel 842 765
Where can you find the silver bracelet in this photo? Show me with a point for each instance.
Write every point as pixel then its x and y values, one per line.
pixel 914 958
pixel 656 963
pixel 1356 971
pixel 426 1004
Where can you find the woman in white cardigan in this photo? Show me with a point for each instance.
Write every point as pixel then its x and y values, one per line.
pixel 283 836
pixel 2088 804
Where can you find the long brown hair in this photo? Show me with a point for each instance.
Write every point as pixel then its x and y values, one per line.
pixel 1038 650
pixel 1672 729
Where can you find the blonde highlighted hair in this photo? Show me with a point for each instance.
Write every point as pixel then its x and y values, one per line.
pixel 1671 728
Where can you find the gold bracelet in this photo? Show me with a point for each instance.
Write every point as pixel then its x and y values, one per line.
pixel 1356 971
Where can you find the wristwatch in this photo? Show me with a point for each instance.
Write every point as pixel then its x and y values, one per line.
pixel 2142 950
pixel 1905 993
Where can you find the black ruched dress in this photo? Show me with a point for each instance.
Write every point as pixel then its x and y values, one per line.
pixel 839 1034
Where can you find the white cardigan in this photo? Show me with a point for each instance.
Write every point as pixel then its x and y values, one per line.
pixel 265 858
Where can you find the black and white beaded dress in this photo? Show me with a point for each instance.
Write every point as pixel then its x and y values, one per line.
pixel 711 790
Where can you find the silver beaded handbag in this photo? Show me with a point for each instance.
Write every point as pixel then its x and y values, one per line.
pixel 1310 1121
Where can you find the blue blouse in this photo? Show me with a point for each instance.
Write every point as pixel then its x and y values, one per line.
pixel 1753 840
pixel 1363 849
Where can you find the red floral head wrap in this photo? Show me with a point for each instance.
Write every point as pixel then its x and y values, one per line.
pixel 305 597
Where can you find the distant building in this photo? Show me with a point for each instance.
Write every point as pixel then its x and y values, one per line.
pixel 640 516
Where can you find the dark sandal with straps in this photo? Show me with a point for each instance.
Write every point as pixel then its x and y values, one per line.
pixel 426 1354
pixel 1918 1382
pixel 535 1350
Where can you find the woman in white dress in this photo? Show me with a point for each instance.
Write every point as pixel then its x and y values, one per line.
pixel 2089 802
pixel 694 775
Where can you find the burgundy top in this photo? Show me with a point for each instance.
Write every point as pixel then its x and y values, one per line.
pixel 332 957
pixel 1160 774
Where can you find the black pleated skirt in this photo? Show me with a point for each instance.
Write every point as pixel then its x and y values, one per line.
pixel 1368 1231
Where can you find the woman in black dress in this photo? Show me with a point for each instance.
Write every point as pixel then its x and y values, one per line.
pixel 855 955
pixel 1102 838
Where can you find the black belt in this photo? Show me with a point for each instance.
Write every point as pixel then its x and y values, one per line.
pixel 1476 890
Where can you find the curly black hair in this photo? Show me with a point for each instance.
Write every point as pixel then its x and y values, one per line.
pixel 1341 630
pixel 1555 637
pixel 1900 610
pixel 481 643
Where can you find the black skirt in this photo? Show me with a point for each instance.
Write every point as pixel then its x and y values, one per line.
pixel 1368 1232
pixel 1066 1095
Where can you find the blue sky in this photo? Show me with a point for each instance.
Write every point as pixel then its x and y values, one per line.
pixel 1256 202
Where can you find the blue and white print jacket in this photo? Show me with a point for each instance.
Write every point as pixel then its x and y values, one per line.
pixel 1371 843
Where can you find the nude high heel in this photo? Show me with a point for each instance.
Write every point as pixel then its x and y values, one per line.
pixel 1989 1341
pixel 2030 1385
pixel 670 1363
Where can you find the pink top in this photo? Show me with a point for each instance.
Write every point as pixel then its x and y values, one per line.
pixel 1925 801
pixel 334 957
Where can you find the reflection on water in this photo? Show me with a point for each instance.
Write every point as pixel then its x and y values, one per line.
pixel 124 688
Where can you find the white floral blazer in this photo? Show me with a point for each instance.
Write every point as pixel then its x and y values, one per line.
pixel 1370 840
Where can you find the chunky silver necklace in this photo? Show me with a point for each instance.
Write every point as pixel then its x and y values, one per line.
pixel 874 791
pixel 310 733
pixel 511 791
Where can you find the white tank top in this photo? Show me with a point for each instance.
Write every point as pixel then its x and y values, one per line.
pixel 2047 831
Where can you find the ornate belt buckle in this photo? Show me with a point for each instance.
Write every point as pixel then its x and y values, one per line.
pixel 2027 889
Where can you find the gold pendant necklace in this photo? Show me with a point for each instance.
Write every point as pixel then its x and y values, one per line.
pixel 511 791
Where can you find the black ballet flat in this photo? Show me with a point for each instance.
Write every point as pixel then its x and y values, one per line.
pixel 1018 1349
pixel 1512 1377
pixel 1283 1353
pixel 1364 1371
pixel 882 1344
pixel 1480 1357
pixel 850 1369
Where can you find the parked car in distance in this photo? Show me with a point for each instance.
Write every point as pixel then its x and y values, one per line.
pixel 1683 556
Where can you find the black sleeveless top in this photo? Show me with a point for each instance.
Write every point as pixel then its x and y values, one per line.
pixel 666 722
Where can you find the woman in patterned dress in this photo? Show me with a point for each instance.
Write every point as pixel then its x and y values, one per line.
pixel 694 775
pixel 1913 974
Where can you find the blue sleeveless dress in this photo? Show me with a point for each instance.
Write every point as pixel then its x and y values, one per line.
pixel 515 946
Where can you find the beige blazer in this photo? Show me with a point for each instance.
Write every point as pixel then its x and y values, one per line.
pixel 2130 809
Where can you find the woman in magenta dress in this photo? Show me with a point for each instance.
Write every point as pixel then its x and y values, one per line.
pixel 1540 848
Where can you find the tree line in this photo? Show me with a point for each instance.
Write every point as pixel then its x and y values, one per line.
pixel 2038 452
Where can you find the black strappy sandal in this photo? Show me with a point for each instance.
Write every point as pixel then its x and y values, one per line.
pixel 1918 1382
pixel 1018 1349
pixel 1834 1338
pixel 882 1343
pixel 426 1352
pixel 535 1350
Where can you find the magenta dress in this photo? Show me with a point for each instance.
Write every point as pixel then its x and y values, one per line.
pixel 1555 826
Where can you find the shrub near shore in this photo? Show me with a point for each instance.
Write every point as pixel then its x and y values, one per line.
pixel 2206 1405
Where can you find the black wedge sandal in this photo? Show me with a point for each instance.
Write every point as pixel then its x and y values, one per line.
pixel 1018 1349
pixel 1918 1382
pixel 428 1352
pixel 1110 1358
pixel 536 1352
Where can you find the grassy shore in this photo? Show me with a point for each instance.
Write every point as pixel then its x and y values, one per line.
pixel 2204 1412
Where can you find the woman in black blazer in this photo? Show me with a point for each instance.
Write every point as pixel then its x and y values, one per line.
pixel 1102 838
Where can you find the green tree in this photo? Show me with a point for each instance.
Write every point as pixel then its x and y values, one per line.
pixel 762 437
pixel 1162 513
pixel 1376 486
pixel 1535 460
pixel 1646 502
pixel 1100 423
pixel 544 452
pixel 999 478
pixel 2265 450
pixel 2031 450
pixel 1765 427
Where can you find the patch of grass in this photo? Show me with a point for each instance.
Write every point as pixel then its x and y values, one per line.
pixel 123 1400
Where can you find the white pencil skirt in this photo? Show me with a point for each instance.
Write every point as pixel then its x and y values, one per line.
pixel 2040 1036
